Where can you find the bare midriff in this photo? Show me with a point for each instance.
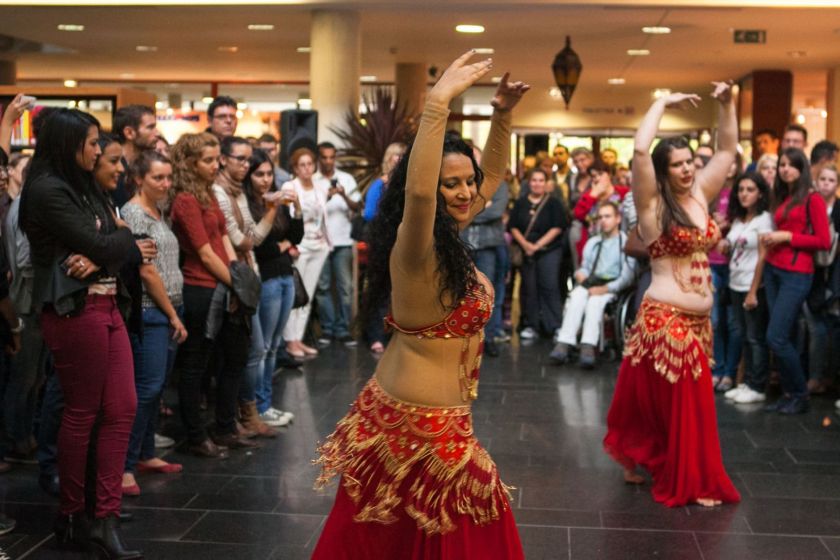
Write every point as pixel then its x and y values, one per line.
pixel 664 287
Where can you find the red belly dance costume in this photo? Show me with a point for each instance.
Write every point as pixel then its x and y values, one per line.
pixel 415 482
pixel 662 415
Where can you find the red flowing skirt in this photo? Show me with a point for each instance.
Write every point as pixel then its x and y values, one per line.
pixel 662 415
pixel 414 484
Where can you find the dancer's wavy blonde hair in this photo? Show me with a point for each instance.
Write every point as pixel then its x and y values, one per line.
pixel 185 155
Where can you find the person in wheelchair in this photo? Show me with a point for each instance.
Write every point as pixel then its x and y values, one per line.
pixel 604 273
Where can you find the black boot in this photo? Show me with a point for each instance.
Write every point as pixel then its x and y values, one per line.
pixel 72 531
pixel 106 541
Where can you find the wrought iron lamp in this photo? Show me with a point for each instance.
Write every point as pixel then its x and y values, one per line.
pixel 567 68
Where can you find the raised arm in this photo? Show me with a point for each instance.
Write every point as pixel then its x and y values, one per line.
pixel 496 156
pixel 414 247
pixel 711 178
pixel 644 177
pixel 13 111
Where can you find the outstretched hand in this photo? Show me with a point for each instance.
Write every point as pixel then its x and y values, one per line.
pixel 15 109
pixel 508 94
pixel 722 91
pixel 458 77
pixel 680 100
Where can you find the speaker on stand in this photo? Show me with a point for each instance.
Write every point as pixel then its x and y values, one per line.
pixel 298 129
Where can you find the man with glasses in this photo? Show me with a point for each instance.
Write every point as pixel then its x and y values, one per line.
pixel 604 272
pixel 221 115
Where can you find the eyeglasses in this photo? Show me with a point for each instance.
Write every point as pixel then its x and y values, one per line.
pixel 240 159
pixel 225 116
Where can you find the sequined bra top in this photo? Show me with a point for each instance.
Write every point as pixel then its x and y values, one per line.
pixel 688 244
pixel 465 321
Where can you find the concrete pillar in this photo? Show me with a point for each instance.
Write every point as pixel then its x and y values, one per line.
pixel 833 104
pixel 8 72
pixel 410 79
pixel 334 68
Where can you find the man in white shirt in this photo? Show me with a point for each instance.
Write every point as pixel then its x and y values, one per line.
pixel 342 202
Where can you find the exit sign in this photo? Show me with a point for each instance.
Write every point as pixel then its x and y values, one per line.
pixel 750 36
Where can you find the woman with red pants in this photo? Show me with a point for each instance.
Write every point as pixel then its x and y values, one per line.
pixel 662 415
pixel 78 247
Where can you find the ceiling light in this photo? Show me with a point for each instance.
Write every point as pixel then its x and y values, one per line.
pixel 145 48
pixel 70 83
pixel 661 92
pixel 638 52
pixel 800 118
pixel 241 106
pixel 70 27
pixel 656 30
pixel 170 111
pixel 207 100
pixel 304 103
pixel 824 114
pixel 367 78
pixel 469 28
pixel 261 27
pixel 797 54
pixel 160 105
pixel 228 49
pixel 555 93
pixel 496 79
pixel 239 114
pixel 616 81
pixel 484 51
pixel 304 49
pixel 127 75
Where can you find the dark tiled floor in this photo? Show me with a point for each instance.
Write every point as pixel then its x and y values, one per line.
pixel 543 425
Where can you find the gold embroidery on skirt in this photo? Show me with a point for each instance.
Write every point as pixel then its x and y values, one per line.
pixel 672 338
pixel 382 440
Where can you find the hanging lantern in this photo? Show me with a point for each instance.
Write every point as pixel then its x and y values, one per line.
pixel 567 68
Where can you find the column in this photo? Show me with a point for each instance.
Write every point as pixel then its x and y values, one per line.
pixel 410 79
pixel 334 68
pixel 772 99
pixel 833 104
pixel 8 72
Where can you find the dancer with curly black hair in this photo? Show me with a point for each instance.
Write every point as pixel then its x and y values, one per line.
pixel 415 483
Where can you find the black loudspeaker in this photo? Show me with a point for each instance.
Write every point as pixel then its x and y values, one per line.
pixel 535 143
pixel 298 129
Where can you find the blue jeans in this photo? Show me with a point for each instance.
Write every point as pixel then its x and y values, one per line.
pixel 49 421
pixel 728 342
pixel 786 292
pixel 335 320
pixel 154 357
pixel 26 375
pixel 493 263
pixel 276 300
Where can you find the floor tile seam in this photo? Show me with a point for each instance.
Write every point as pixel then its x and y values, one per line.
pixel 749 438
pixel 697 544
pixel 317 533
pixel 789 454
pixel 663 530
pixel 825 545
pixel 191 500
pixel 569 540
pixel 38 545
pixel 192 526
pixel 749 525
pixel 241 512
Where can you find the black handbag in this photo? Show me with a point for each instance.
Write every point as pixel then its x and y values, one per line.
pixel 301 297
pixel 358 227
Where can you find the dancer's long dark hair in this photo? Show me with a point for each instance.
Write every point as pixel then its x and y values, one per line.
pixel 800 189
pixel 455 265
pixel 671 212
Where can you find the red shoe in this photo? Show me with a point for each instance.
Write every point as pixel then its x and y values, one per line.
pixel 168 468
pixel 132 490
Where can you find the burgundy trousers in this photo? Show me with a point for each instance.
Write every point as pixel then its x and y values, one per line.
pixel 95 368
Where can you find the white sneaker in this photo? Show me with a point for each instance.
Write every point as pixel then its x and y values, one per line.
pixel 163 442
pixel 528 334
pixel 274 420
pixel 748 396
pixel 735 391
pixel 285 413
pixel 837 404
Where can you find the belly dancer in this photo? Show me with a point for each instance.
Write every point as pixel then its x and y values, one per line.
pixel 662 415
pixel 414 481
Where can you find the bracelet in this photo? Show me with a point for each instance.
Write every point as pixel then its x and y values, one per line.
pixel 19 328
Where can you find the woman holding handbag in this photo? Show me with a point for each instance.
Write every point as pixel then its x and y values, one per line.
pixel 536 222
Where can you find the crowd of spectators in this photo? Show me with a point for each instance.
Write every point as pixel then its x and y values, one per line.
pixel 129 265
